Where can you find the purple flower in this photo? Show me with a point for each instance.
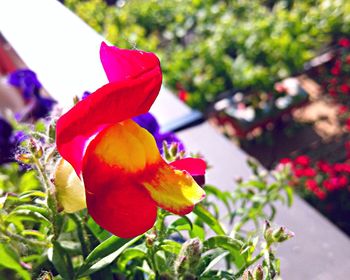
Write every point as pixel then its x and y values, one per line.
pixel 85 94
pixel 149 122
pixel 6 145
pixel 27 82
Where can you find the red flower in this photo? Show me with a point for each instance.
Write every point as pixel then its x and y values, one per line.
pixel 333 81
pixel 285 160
pixel 342 109
pixel 347 124
pixel 336 69
pixel 321 195
pixel 302 160
pixel 344 42
pixel 332 92
pixel 311 185
pixel 344 88
pixel 347 59
pixel 183 95
pixel 125 177
pixel 325 167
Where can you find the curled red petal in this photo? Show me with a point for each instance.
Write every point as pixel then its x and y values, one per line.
pixel 194 166
pixel 120 64
pixel 108 105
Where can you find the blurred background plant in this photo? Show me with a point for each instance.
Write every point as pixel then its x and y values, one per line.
pixel 208 47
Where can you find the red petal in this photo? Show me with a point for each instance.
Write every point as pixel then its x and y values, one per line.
pixel 194 166
pixel 120 64
pixel 115 201
pixel 110 104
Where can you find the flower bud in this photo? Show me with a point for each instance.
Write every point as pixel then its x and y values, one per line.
pixel 24 158
pixel 70 189
pixel 258 273
pixel 35 148
pixel 282 234
pixel 150 239
pixel 174 147
pixel 189 256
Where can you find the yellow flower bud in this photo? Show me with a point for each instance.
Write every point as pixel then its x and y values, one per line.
pixel 70 189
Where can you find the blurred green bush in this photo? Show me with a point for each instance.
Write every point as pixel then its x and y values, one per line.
pixel 208 47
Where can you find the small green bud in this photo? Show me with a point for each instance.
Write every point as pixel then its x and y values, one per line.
pixel 35 148
pixel 75 100
pixel 174 147
pixel 150 239
pixel 268 233
pixel 52 131
pixel 282 234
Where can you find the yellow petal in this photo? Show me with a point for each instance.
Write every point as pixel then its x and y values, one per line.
pixel 126 146
pixel 174 190
pixel 70 189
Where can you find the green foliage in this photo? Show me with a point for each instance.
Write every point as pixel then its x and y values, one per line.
pixel 208 47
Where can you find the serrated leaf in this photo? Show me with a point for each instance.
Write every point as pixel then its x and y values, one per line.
pixel 208 219
pixel 104 254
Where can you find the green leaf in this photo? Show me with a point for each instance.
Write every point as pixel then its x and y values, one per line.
pixel 27 215
pixel 219 194
pixel 209 219
pixel 33 208
pixel 171 246
pixel 289 193
pixel 61 261
pixel 30 194
pixel 218 275
pixel 209 260
pixel 104 254
pixel 97 231
pixel 29 181
pixel 183 223
pixel 198 231
pixel 224 242
pixel 10 260
pixel 129 255
pixel 253 183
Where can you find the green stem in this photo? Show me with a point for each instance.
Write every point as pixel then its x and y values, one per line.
pixel 81 234
pixel 252 261
pixel 51 198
